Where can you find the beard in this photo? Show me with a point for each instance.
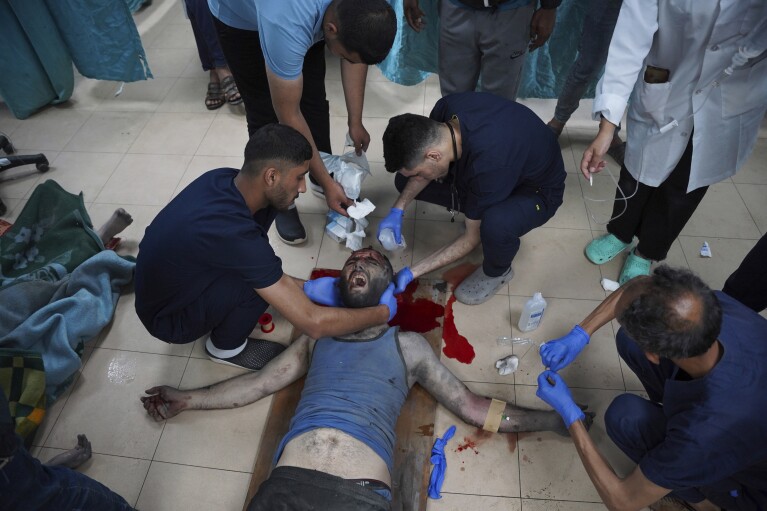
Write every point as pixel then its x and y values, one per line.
pixel 370 297
pixel 281 200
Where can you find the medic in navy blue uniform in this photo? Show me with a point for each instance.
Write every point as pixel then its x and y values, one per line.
pixel 487 157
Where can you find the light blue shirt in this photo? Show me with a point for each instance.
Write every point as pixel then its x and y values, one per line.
pixel 286 28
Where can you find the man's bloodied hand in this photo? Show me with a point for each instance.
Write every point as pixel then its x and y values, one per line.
pixel 164 402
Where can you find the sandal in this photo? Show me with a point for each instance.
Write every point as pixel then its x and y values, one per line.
pixel 604 249
pixel 215 97
pixel 230 90
pixel 633 267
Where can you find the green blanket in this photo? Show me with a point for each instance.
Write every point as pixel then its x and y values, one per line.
pixel 50 238
pixel 22 380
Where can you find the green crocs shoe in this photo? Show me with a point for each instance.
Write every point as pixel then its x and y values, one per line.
pixel 604 249
pixel 634 267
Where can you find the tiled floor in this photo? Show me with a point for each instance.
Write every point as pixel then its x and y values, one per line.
pixel 139 149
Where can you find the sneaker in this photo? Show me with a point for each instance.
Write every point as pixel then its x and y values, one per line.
pixel 633 267
pixel 604 249
pixel 317 189
pixel 255 356
pixel 478 288
pixel 617 152
pixel 289 227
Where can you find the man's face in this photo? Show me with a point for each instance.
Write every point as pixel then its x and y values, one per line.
pixel 339 50
pixel 291 183
pixel 364 278
pixel 428 170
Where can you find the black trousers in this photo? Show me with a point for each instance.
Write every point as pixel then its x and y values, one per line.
pixel 748 284
pixel 242 49
pixel 655 215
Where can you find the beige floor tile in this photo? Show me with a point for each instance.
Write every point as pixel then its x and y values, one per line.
pixel 571 165
pixel 142 96
pixel 480 462
pixel 755 197
pixel 88 93
pixel 227 136
pixel 127 333
pixel 130 237
pixel 18 182
pixel 376 127
pixel 543 109
pixel 550 261
pixel 182 488
pixel 431 96
pixel 727 254
pixel 633 383
pixel 722 213
pixel 299 262
pixel 598 364
pixel 431 236
pixel 186 96
pixel 554 505
pixel 8 123
pixel 458 502
pixel 549 464
pixel 599 199
pixel 11 206
pixel 124 476
pixel 754 171
pixel 175 35
pixel 49 130
pixel 171 62
pixel 379 188
pixel 222 439
pixel 202 164
pixel 104 402
pixel 83 172
pixel 572 213
pixel 147 179
pixel 382 99
pixel 173 133
pixel 109 132
pixel 482 326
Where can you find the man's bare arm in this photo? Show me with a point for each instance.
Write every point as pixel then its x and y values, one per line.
pixel 164 402
pixel 353 79
pixel 614 304
pixel 286 100
pixel 453 251
pixel 425 368
pixel 316 321
pixel 630 494
pixel 413 187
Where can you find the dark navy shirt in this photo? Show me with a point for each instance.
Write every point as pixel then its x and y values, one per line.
pixel 205 232
pixel 716 434
pixel 505 145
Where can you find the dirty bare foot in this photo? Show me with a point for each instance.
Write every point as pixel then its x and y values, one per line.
pixel 75 456
pixel 115 225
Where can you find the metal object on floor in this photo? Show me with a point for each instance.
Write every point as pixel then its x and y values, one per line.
pixel 9 162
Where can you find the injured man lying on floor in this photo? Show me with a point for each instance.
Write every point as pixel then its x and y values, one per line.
pixel 337 454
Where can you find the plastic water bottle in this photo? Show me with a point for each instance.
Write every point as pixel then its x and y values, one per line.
pixel 532 314
pixel 389 243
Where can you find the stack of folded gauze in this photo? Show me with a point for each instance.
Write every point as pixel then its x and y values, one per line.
pixel 351 229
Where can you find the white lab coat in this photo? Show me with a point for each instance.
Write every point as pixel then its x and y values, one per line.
pixel 695 40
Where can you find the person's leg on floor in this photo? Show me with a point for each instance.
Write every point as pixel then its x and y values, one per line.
pixel 459 56
pixel 242 49
pixel 748 284
pixel 503 37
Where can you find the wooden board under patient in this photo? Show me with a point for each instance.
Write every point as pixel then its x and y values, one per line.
pixel 415 427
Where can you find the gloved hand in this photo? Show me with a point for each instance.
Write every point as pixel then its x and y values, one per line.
pixel 392 221
pixel 402 279
pixel 324 290
pixel 440 463
pixel 557 354
pixel 388 299
pixel 558 397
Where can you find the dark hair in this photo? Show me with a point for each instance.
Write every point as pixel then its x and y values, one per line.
pixel 406 140
pixel 366 27
pixel 654 321
pixel 376 287
pixel 278 145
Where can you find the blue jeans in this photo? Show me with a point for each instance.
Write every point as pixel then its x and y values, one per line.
pixel 208 47
pixel 598 26
pixel 25 483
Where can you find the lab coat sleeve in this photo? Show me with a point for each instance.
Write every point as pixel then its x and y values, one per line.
pixel 630 44
pixel 756 40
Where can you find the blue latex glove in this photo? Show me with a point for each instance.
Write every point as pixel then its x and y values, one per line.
pixel 388 299
pixel 557 354
pixel 440 463
pixel 402 279
pixel 324 290
pixel 392 221
pixel 558 397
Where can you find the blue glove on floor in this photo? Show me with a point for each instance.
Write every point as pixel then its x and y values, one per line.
pixel 324 290
pixel 388 299
pixel 392 221
pixel 558 397
pixel 402 279
pixel 440 463
pixel 557 354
